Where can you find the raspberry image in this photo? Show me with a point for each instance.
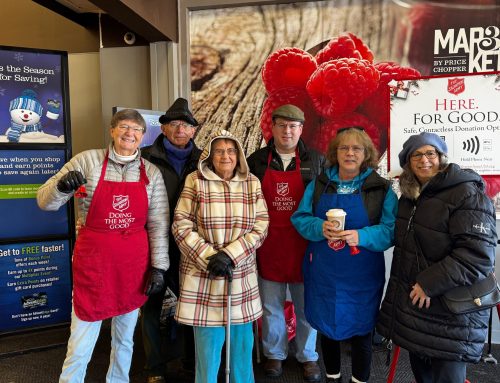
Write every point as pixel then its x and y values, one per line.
pixel 492 185
pixel 294 96
pixel 377 105
pixel 337 87
pixel 287 67
pixel 327 129
pixel 345 45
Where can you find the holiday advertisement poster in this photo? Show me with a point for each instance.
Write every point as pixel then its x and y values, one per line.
pixel 22 172
pixel 462 110
pixel 31 96
pixel 35 285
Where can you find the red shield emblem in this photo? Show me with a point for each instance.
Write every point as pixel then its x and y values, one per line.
pixel 121 202
pixel 282 188
pixel 337 244
pixel 456 85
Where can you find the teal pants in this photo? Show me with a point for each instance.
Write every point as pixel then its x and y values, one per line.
pixel 208 344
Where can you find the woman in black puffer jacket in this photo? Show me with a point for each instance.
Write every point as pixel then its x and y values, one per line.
pixel 445 237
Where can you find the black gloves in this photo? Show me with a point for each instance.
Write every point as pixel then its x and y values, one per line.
pixel 220 265
pixel 71 181
pixel 155 282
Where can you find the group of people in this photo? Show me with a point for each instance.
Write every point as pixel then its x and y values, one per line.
pixel 214 227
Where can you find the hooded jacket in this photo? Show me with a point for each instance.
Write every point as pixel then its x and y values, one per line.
pixel 215 215
pixel 453 223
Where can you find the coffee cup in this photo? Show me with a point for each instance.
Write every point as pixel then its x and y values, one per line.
pixel 337 217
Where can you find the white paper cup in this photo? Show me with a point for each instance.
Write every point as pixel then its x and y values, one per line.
pixel 337 216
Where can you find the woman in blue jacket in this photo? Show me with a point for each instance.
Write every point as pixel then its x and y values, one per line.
pixel 343 291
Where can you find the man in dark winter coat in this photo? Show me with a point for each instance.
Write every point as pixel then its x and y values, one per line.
pixel 176 155
pixel 285 166
pixel 445 237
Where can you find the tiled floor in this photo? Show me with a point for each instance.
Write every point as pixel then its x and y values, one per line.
pixel 37 357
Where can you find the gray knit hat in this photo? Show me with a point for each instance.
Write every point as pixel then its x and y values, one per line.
pixel 418 140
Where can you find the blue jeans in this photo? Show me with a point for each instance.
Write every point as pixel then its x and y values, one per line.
pixel 82 341
pixel 274 334
pixel 208 343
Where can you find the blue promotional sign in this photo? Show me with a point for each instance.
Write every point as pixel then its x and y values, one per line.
pixel 21 174
pixel 35 285
pixel 35 142
pixel 31 102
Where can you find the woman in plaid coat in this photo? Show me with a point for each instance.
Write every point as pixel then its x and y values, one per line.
pixel 220 220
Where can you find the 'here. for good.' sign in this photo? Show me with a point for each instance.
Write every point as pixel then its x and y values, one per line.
pixel 463 110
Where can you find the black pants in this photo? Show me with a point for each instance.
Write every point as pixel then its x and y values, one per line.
pixel 361 355
pixel 432 370
pixel 153 339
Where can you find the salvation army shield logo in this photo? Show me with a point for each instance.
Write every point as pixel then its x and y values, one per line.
pixel 456 85
pixel 336 245
pixel 282 188
pixel 121 202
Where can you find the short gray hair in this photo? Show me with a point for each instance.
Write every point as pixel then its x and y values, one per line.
pixel 128 114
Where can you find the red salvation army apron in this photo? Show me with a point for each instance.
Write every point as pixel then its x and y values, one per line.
pixel 111 255
pixel 279 259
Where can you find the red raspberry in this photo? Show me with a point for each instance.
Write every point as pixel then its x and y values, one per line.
pixel 287 67
pixel 337 87
pixel 294 96
pixel 377 105
pixel 345 45
pixel 327 130
pixel 492 185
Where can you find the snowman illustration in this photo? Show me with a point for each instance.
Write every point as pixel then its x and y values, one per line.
pixel 26 113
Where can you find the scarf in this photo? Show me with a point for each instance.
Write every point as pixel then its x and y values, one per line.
pixel 177 156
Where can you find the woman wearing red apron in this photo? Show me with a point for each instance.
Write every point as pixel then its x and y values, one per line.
pixel 123 218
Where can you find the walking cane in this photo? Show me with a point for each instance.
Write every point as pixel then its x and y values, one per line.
pixel 228 328
pixel 256 341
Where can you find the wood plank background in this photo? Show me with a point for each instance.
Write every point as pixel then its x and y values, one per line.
pixel 230 45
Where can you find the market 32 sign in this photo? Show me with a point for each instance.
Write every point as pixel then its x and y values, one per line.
pixel 472 50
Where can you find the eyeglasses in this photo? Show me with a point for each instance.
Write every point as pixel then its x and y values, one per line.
pixel 355 148
pixel 135 129
pixel 291 125
pixel 417 156
pixel 230 151
pixel 359 128
pixel 180 124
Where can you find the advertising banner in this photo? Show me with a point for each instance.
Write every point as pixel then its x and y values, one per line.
pixel 31 102
pixel 35 142
pixel 462 110
pixel 21 174
pixel 35 286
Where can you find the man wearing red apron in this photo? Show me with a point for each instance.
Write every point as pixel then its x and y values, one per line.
pixel 284 167
pixel 123 220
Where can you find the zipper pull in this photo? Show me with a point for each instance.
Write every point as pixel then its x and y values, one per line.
pixel 410 221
